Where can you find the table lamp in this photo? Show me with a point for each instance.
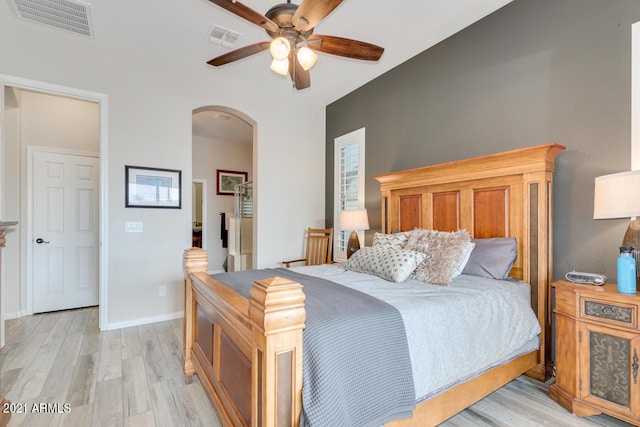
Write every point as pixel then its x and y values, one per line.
pixel 618 196
pixel 354 221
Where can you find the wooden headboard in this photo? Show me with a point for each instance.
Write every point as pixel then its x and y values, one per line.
pixel 507 194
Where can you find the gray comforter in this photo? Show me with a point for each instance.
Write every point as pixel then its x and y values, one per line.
pixel 454 332
pixel 356 364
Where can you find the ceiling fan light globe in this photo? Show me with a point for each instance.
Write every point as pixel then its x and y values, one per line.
pixel 280 48
pixel 307 58
pixel 280 66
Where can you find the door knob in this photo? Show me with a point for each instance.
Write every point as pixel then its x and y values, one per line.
pixel 40 240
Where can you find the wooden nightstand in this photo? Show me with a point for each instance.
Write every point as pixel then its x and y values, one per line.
pixel 597 351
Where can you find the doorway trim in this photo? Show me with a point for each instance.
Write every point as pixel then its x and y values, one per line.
pixel 254 161
pixel 102 100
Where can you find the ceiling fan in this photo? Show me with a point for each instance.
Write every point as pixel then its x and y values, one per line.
pixel 290 27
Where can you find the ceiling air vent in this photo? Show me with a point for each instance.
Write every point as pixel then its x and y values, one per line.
pixel 223 36
pixel 68 15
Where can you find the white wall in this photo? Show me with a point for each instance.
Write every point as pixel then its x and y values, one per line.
pixel 635 97
pixel 208 156
pixel 149 124
pixel 54 121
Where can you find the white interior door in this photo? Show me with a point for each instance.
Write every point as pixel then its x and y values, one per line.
pixel 65 227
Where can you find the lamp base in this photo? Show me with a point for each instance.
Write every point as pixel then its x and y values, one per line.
pixel 632 238
pixel 353 245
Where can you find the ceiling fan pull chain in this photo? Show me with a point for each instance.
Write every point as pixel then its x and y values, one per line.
pixel 293 74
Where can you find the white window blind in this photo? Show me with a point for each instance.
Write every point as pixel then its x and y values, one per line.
pixel 348 184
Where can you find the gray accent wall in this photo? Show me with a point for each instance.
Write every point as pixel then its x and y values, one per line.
pixel 533 72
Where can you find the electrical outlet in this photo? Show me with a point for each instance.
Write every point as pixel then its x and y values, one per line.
pixel 133 227
pixel 162 291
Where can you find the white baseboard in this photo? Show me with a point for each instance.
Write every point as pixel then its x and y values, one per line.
pixel 14 315
pixel 114 325
pixel 144 321
pixel 215 272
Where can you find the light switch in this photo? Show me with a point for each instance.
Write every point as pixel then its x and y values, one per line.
pixel 133 227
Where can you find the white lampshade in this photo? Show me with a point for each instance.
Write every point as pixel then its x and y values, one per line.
pixel 280 48
pixel 354 220
pixel 617 195
pixel 280 66
pixel 306 57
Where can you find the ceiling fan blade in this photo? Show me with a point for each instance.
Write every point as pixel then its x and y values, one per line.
pixel 345 47
pixel 301 78
pixel 311 12
pixel 247 13
pixel 243 52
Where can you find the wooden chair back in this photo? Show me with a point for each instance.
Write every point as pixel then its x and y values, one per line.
pixel 319 246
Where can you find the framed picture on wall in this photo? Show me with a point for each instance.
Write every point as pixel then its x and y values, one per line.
pixel 152 188
pixel 227 180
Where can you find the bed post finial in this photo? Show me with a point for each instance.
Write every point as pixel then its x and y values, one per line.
pixel 195 260
pixel 277 315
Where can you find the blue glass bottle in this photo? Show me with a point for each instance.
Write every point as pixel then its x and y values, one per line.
pixel 626 270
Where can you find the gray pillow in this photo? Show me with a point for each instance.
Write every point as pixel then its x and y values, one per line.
pixel 492 258
pixel 389 263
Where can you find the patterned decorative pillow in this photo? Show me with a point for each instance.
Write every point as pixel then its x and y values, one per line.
pixel 445 252
pixel 395 240
pixel 391 264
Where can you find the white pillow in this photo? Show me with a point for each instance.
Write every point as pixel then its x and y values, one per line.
pixel 465 260
pixel 391 264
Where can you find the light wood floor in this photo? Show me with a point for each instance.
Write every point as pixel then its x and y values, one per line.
pixel 132 377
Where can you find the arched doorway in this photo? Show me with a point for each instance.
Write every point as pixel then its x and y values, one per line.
pixel 223 153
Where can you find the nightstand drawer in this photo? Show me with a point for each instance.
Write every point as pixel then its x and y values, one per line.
pixel 614 313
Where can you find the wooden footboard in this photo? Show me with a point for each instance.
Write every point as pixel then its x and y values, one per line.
pixel 247 353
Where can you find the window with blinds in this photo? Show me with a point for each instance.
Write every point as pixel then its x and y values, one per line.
pixel 243 200
pixel 349 185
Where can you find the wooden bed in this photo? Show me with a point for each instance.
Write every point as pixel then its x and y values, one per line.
pixel 248 352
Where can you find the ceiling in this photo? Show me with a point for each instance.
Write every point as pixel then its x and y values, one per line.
pixel 222 126
pixel 177 32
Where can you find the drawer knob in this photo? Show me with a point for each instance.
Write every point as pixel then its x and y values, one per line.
pixel 635 366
